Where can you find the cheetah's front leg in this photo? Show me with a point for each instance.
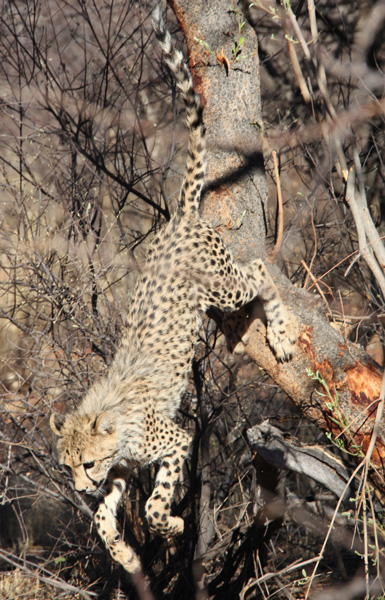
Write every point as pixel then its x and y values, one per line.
pixel 174 451
pixel 105 520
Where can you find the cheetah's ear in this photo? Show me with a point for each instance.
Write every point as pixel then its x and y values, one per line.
pixel 104 424
pixel 56 423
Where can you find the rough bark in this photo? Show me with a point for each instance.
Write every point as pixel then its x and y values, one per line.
pixel 234 203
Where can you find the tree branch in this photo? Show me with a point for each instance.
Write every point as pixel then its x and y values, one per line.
pixel 232 107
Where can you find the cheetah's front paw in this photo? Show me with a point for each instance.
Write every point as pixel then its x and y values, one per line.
pixel 124 555
pixel 159 520
pixel 169 528
pixel 120 551
pixel 282 336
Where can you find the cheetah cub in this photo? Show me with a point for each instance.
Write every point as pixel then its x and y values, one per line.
pixel 126 418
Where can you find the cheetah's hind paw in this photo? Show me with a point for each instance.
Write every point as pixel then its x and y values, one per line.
pixel 283 336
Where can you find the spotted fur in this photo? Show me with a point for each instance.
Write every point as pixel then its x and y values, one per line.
pixel 126 419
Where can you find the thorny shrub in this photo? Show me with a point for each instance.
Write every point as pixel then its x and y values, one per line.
pixel 91 138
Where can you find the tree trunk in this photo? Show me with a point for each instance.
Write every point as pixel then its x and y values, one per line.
pixel 234 202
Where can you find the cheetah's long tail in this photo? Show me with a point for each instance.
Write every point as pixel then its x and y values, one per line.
pixel 195 168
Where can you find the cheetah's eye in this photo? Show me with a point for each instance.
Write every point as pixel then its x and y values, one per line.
pixel 89 465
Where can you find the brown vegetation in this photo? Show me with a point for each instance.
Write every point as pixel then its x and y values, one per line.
pixel 91 154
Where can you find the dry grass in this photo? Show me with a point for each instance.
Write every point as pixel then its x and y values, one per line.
pixel 89 164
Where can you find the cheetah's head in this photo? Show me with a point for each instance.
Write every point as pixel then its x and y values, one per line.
pixel 87 445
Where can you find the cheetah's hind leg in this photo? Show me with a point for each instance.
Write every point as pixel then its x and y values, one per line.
pixel 281 325
pixel 106 524
pixel 235 327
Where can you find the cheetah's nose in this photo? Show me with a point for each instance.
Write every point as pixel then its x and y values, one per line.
pixel 79 488
pixel 82 487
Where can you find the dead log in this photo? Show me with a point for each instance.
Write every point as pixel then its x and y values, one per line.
pixel 234 202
